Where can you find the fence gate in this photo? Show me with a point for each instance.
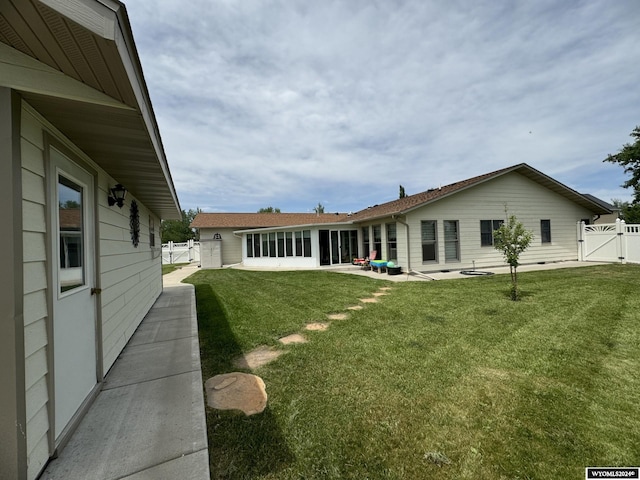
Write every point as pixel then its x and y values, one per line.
pixel 612 242
pixel 180 252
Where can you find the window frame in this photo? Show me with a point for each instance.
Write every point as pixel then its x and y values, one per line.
pixel 433 242
pixel 495 225
pixel 392 241
pixel 448 241
pixel 545 231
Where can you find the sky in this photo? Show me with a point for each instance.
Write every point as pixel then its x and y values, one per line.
pixel 294 103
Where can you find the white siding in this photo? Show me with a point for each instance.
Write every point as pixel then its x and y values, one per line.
pixel 35 293
pixel 130 278
pixel 526 199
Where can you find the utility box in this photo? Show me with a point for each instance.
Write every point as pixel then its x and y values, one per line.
pixel 211 252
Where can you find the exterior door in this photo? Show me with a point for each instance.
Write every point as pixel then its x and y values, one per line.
pixel 344 246
pixel 74 305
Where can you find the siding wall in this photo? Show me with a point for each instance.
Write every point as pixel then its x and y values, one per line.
pixel 130 278
pixel 526 199
pixel 35 292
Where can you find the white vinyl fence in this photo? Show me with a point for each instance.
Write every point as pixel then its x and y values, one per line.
pixel 185 252
pixel 611 242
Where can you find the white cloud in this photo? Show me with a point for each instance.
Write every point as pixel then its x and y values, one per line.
pixel 288 103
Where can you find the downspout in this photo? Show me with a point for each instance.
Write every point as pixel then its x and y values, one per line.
pixel 409 270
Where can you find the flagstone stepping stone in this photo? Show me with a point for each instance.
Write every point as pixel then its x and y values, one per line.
pixel 257 358
pixel 337 316
pixel 293 338
pixel 318 327
pixel 385 289
pixel 369 300
pixel 380 294
pixel 236 391
pixel 355 307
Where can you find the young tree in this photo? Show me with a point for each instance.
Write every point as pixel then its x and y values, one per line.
pixel 269 210
pixel 402 192
pixel 512 239
pixel 319 208
pixel 629 158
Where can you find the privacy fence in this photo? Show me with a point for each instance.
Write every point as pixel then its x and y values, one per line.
pixel 612 242
pixel 184 252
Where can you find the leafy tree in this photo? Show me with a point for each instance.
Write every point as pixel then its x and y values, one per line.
pixel 629 158
pixel 319 208
pixel 402 192
pixel 179 230
pixel 512 239
pixel 269 210
pixel 629 212
pixel 69 205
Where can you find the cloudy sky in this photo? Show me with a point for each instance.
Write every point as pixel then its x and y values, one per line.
pixel 294 103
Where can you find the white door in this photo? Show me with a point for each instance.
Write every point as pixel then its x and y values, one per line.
pixel 74 305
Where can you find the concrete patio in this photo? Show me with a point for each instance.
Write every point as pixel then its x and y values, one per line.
pixel 148 422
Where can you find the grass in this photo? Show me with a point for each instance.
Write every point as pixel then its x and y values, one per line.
pixel 168 268
pixel 447 380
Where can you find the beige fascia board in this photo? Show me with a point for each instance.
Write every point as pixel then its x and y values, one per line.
pixel 324 226
pixel 23 73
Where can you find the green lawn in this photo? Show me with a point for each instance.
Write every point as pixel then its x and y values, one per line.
pixel 168 268
pixel 446 380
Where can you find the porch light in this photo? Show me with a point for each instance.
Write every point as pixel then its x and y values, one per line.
pixel 117 195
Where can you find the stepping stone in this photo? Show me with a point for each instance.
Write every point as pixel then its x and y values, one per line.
pixel 317 327
pixel 256 358
pixel 355 307
pixel 369 300
pixel 380 294
pixel 293 338
pixel 385 289
pixel 236 391
pixel 337 316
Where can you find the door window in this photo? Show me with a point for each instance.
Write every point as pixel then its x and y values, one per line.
pixel 71 265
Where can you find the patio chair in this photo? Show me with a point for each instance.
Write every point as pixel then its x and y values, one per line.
pixel 367 261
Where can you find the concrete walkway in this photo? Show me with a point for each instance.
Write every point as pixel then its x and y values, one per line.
pixel 148 422
pixel 456 275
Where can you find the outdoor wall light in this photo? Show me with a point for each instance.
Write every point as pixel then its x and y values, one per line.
pixel 117 195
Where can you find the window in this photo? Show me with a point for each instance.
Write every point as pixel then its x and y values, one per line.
pixel 71 273
pixel 429 241
pixel 298 244
pixel 392 242
pixel 365 240
pixel 451 241
pixel 306 235
pixel 289 244
pixel 487 228
pixel 265 245
pixel 249 245
pixel 377 239
pixel 272 244
pixel 152 232
pixel 281 244
pixel 256 244
pixel 545 231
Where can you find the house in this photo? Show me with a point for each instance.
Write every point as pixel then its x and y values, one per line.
pixel 84 184
pixel 291 231
pixel 449 227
